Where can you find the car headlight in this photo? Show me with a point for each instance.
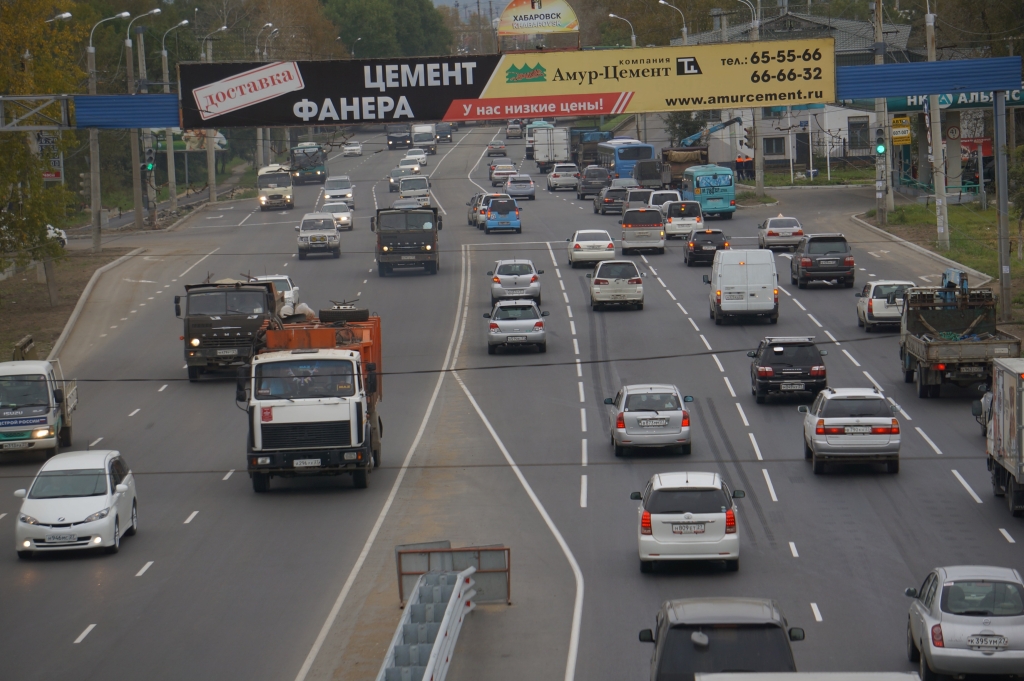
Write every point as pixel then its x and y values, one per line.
pixel 43 432
pixel 385 249
pixel 27 519
pixel 304 239
pixel 349 195
pixel 289 197
pixel 263 199
pixel 98 515
pixel 194 342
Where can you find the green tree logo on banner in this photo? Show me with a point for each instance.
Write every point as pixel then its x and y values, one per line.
pixel 526 74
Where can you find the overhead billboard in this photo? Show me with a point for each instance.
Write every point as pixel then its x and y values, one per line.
pixel 533 17
pixel 533 85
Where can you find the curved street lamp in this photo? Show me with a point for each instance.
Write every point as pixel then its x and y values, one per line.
pixel 63 16
pixel 685 37
pixel 266 43
pixel 128 35
pixel 632 33
pixel 122 15
pixel 207 37
pixel 265 27
pixel 163 41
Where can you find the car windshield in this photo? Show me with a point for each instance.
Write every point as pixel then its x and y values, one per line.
pixel 337 208
pixel 409 162
pixel 791 355
pixel 337 184
pixel 784 223
pixel 280 284
pixel 731 648
pixel 845 408
pixel 723 180
pixel 411 220
pixel 353 145
pixel 645 217
pixel 687 501
pixel 518 269
pixel 592 236
pixel 215 303
pixel 886 290
pixel 641 195
pixel 317 224
pixel 713 236
pixel 23 391
pixel 822 246
pixel 982 598
pixel 684 210
pixel 502 206
pixel 301 378
pixel 414 183
pixel 515 312
pixel 596 174
pixel 399 172
pixel 86 482
pixel 271 180
pixel 617 270
pixel 652 401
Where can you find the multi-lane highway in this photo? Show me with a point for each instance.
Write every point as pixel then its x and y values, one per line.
pixel 511 448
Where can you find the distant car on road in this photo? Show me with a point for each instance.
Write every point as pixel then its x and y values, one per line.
pixel 779 232
pixel 476 208
pixel 283 284
pixel 624 182
pixel 562 176
pixel 340 188
pixel 520 187
pixel 514 130
pixel 516 323
pixel 501 175
pixel 703 245
pixel 609 199
pixel 876 304
pixel 822 257
pixel 496 148
pixel 650 415
pixel 515 279
pixel 395 176
pixel 851 425
pixel 410 163
pixel 342 213
pixel 352 149
pixel 591 181
pixel 590 246
pixel 318 234
pixel 418 154
pixel 503 214
pixel 681 218
pixel 616 282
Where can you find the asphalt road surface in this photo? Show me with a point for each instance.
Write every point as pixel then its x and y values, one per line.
pixel 222 583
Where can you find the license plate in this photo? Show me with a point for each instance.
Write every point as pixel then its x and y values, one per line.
pixel 709 248
pixel 854 430
pixel 306 463
pixel 688 528
pixel 227 352
pixel 986 641
pixel 972 370
pixel 734 295
pixel 58 538
pixel 408 257
pixel 792 386
pixel 652 423
pixel 504 222
pixel 513 339
pixel 515 291
pixel 639 234
pixel 318 245
pixel 827 262
pixel 16 445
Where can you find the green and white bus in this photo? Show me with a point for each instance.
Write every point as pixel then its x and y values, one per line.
pixel 308 163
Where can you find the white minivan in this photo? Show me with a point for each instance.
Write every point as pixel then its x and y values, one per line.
pixel 743 283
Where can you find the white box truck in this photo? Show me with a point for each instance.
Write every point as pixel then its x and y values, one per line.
pixel 550 146
pixel 424 136
pixel 1003 439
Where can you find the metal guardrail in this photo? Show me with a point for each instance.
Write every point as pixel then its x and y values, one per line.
pixel 493 566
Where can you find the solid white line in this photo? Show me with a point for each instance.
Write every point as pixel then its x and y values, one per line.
pixel 350 580
pixel 706 344
pixel 554 263
pixel 135 412
pixel 739 408
pixel 682 308
pixel 905 414
pixel 583 419
pixel 576 346
pixel 729 386
pixel 670 294
pixel 199 261
pixel 581 392
pixel 95 442
pixel 191 516
pixel 81 637
pixel 814 320
pixel 584 441
pixel 966 486
pixel 228 474
pixel 786 292
pixel 800 305
pixel 757 450
pixel 928 440
pixel 579 369
pixel 443 211
pixel 572 327
pixel 720 367
pixel 792 549
pixel 871 378
pixel 469 175
pixel 771 487
pixel 143 570
pixel 850 357
pixel 817 613
pixel 661 282
pixel 1003 532
pixel 693 324
pixel 162 388
pixel 832 337
pixel 583 491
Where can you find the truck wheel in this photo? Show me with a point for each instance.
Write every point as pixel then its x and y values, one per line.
pixel 193 374
pixel 923 389
pixel 48 453
pixel 359 479
pixel 381 270
pixel 356 314
pixel 302 255
pixel 65 436
pixel 260 482
pixel 430 268
pixel 998 489
pixel 908 376
pixel 1012 492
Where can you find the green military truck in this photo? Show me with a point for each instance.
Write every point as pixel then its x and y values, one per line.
pixel 407 238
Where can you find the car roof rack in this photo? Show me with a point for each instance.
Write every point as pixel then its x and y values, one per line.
pixel 789 339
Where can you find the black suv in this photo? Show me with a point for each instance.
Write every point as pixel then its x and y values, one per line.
pixel 703 245
pixel 784 366
pixel 823 257
pixel 591 181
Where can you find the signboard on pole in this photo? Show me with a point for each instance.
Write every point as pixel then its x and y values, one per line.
pixel 532 17
pixel 900 131
pixel 51 155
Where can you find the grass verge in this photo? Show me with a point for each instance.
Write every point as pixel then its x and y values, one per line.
pixel 752 199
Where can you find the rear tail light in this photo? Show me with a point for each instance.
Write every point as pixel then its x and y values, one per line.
pixel 818 371
pixel 835 430
pixel 725 245
pixel 645 523
pixel 893 429
pixel 607 200
pixel 848 261
pixel 493 326
pixel 805 262
pixel 698 220
pixel 620 421
pixel 730 522
pixel 686 419
pixel 776 293
pixel 819 429
pixel 733 202
pixel 577 247
pixel 496 280
pixel 765 372
pixel 798 232
pixel 718 297
pixel 936 630
pixel 488 215
pixel 871 305
pixel 517 212
pixel 611 246
pixel 691 244
pixel 555 175
pixel 533 279
pixel 600 282
pixel 771 233
pixel 538 326
pixel 636 280
pixel 939 367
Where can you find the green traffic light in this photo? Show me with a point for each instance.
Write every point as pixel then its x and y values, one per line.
pixel 880 149
pixel 149 166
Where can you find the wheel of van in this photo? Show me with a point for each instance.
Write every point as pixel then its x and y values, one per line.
pixel 431 268
pixel 647 566
pixel 359 479
pixel 116 546
pixel 542 347
pixel 925 671
pixel 54 451
pixel 728 216
pixel 381 271
pixel 355 314
pixel 773 320
pixel 848 283
pixel 718 318
pixel 792 279
pixel 686 449
pixel 661 251
pixel 337 253
pixel 639 306
pixel 760 397
pixel 133 528
pixel 595 208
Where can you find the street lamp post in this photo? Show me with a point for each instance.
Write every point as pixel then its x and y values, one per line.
pixel 211 134
pixel 259 129
pixel 266 43
pixel 632 33
pixel 63 16
pixel 172 180
pixel 685 37
pixel 755 35
pixel 133 134
pixel 265 158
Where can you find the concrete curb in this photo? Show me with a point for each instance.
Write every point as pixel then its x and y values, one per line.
pixel 82 299
pixel 787 187
pixel 760 205
pixel 981 277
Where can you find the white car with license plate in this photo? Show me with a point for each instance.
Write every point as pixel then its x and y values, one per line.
pixel 78 500
pixel 516 323
pixel 340 188
pixel 877 303
pixel 590 246
pixel 515 279
pixel 779 232
pixel 284 285
pixel 410 163
pixel 563 176
pixel 681 218
pixel 851 425
pixel 688 515
pixel 650 415
pixel 342 213
pixel 616 282
pixel 352 149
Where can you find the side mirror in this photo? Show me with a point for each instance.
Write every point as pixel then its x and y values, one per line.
pixel 122 488
pixel 609 400
pixel 688 398
pixel 58 396
pixel 588 276
pixel 20 493
pixel 540 271
pixel 738 494
pixel 858 295
pixel 803 409
pixel 635 496
pixel 796 634
pixel 545 313
pixel 295 288
pixel 440 224
pixel 296 228
pixel 823 352
pixel 620 222
pixel 467 203
pixel 490 274
pixel 177 306
pixel 371 377
pixel 895 408
pixel 647 636
pixel 568 239
pixel 706 279
pixel 373 224
pixel 487 315
pixel 240 395
pixel 751 354
pixel 910 592
pixel 976 408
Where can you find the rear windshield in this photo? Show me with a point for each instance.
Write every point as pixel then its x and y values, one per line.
pixel 503 206
pixel 316 224
pixel 715 237
pixel 516 312
pixel 635 153
pixel 784 223
pixel 565 169
pixel 886 290
pixel 688 501
pixel 684 210
pixel 655 401
pixel 596 174
pixel 647 217
pixel 618 270
pixel 982 599
pixel 615 194
pixel 723 180
pixel 663 197
pixel 854 408
pixel 518 268
pixel 520 180
pixel 822 246
pixel 750 648
pixel 592 236
pixel 640 195
pixel 409 162
pixel 398 172
pixel 790 355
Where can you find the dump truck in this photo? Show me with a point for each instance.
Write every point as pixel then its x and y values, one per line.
pixel 36 403
pixel 550 146
pixel 652 174
pixel 1003 438
pixel 949 335
pixel 311 396
pixel 584 145
pixel 678 159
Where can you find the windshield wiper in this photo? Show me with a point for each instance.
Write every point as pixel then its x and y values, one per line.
pixel 976 613
pixel 12 405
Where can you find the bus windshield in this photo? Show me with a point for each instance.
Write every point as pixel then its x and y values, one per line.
pixel 307 157
pixel 271 180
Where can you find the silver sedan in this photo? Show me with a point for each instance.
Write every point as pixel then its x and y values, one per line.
pixel 515 279
pixel 967 619
pixel 516 323
pixel 650 415
pixel 590 246
pixel 521 187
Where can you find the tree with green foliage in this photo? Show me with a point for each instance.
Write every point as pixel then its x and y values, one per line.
pixel 680 124
pixel 1016 196
pixel 390 28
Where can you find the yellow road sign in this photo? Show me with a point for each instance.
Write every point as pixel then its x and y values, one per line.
pixel 900 131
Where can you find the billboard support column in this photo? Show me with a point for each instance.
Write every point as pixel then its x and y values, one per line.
pixel 756 114
pixel 882 186
pixel 133 140
pixel 999 151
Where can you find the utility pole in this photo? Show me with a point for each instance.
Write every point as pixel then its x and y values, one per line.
pixel 172 178
pixel 1002 191
pixel 95 208
pixel 881 167
pixel 938 167
pixel 758 146
pixel 133 140
pixel 211 141
pixel 147 135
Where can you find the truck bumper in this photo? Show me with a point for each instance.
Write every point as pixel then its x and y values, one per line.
pixel 291 463
pixel 209 357
pixel 399 260
pixel 29 444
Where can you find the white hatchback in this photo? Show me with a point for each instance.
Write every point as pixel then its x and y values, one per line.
pixel 418 154
pixel 688 516
pixel 78 500
pixel 877 303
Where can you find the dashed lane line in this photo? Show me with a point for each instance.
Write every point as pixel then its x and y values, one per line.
pixel 576 346
pixel 792 549
pixel 670 294
pixel 583 419
pixel 927 439
pixel 903 413
pixel 757 450
pixel 719 363
pixel 583 491
pixel 162 388
pixel 579 368
pixel 874 382
pixel 580 383
pixel 768 481
pixel 728 385
pixel 228 474
pixel 739 408
pixel 706 344
pixel 815 320
pixel 680 306
pixel 833 338
pixel 967 487
pixel 144 568
pixel 800 305
pixel 196 263
pixel 1006 535
pixel 817 613
pixel 850 357
pixel 95 442
pixel 81 637
pixel 584 452
pixel 135 412
pixel 190 517
pixel 693 324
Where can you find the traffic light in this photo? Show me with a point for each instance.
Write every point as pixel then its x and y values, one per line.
pixel 748 137
pixel 84 185
pixel 880 141
pixel 150 161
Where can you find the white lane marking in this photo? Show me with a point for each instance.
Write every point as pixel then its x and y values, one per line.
pixel 551 252
pixel 644 258
pixel 197 262
pixel 358 293
pixel 800 305
pixel 905 414
pixel 581 391
pixel 584 448
pixel 670 294
pixel 1003 532
pixel 693 324
pixel 559 273
pixel 653 271
pixel 575 346
pixel 228 474
pixel 81 637
pixel 354 572
pixel 792 549
pixel 850 357
pixel 144 568
pixel 185 367
pixel 661 282
pixel 95 442
pixel 680 306
pixel 572 327
pixel 561 282
pixel 246 218
pixel 729 386
pixel 365 280
pixel 162 388
pixel 469 176
pixel 190 517
pixel 568 311
pixel 706 344
pixel 4 515
pixel 583 419
pixel 583 491
pixel 966 486
pixel 929 441
pixel 771 487
pixel 872 379
pixel 133 311
pixel 786 292
pixel 566 296
pixel 135 412
pixel 814 320
pixel 817 613
pixel 739 408
pixel 579 368
pixel 719 363
pixel 832 337
pixel 757 450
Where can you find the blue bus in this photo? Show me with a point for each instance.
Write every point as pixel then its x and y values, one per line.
pixel 620 154
pixel 713 187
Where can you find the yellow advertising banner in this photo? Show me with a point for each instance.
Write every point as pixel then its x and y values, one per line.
pixel 900 131
pixel 531 17
pixel 656 79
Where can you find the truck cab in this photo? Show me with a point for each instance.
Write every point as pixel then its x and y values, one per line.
pixel 407 238
pixel 398 136
pixel 416 187
pixel 35 407
pixel 424 136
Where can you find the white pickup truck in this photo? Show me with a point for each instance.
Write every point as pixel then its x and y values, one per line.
pixel 36 404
